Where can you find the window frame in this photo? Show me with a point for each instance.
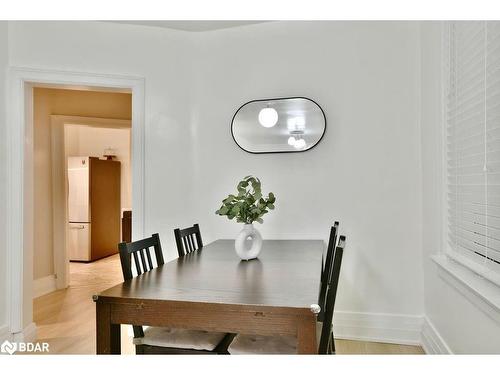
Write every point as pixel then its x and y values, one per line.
pixel 448 258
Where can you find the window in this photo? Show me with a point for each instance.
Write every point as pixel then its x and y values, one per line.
pixel 472 99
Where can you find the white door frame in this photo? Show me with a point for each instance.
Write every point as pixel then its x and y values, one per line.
pixel 19 241
pixel 60 216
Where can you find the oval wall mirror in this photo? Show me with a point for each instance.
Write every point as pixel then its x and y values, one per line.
pixel 278 125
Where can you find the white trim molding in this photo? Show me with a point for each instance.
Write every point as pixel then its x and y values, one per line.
pixel 431 340
pixel 390 328
pixel 19 242
pixel 480 291
pixel 5 333
pixel 44 285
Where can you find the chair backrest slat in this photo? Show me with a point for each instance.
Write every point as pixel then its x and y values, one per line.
pixel 188 239
pixel 326 339
pixel 149 259
pixel 137 264
pixel 191 240
pixel 326 271
pixel 143 260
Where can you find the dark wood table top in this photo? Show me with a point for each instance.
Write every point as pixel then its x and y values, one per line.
pixel 286 274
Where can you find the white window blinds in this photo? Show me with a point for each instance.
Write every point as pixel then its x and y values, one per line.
pixel 473 140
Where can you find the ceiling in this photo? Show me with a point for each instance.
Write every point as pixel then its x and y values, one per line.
pixel 195 26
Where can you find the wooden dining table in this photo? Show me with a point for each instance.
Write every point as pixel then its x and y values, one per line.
pixel 212 289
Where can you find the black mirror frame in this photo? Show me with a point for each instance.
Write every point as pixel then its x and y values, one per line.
pixel 277 152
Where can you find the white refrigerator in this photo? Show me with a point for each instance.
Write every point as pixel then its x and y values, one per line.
pixel 93 207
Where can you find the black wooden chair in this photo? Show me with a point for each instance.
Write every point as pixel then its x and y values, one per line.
pixel 188 239
pixel 253 344
pixel 325 273
pixel 327 340
pixel 164 340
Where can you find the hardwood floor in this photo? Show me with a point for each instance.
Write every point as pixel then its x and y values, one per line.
pixel 367 347
pixel 66 318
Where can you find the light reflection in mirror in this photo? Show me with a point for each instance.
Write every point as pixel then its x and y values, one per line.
pixel 278 125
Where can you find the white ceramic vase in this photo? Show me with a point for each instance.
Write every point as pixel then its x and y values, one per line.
pixel 248 242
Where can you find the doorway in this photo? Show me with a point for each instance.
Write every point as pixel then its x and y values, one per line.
pixel 83 140
pixel 22 160
pixel 66 225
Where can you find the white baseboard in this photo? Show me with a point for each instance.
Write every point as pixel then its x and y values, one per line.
pixel 389 328
pixel 44 285
pixel 28 334
pixel 432 342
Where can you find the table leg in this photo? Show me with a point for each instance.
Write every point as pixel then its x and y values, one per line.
pixel 107 334
pixel 306 336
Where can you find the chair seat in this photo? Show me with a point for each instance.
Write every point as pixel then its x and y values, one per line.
pixel 256 344
pixel 180 338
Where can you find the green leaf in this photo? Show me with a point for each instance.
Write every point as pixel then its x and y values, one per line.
pixel 259 220
pixel 271 198
pixel 262 214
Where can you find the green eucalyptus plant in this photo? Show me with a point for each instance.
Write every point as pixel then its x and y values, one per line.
pixel 249 204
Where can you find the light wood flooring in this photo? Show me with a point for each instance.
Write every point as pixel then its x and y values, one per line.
pixel 66 318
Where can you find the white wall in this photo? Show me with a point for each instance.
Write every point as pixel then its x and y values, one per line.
pixel 463 322
pixel 3 169
pixel 81 140
pixel 366 170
